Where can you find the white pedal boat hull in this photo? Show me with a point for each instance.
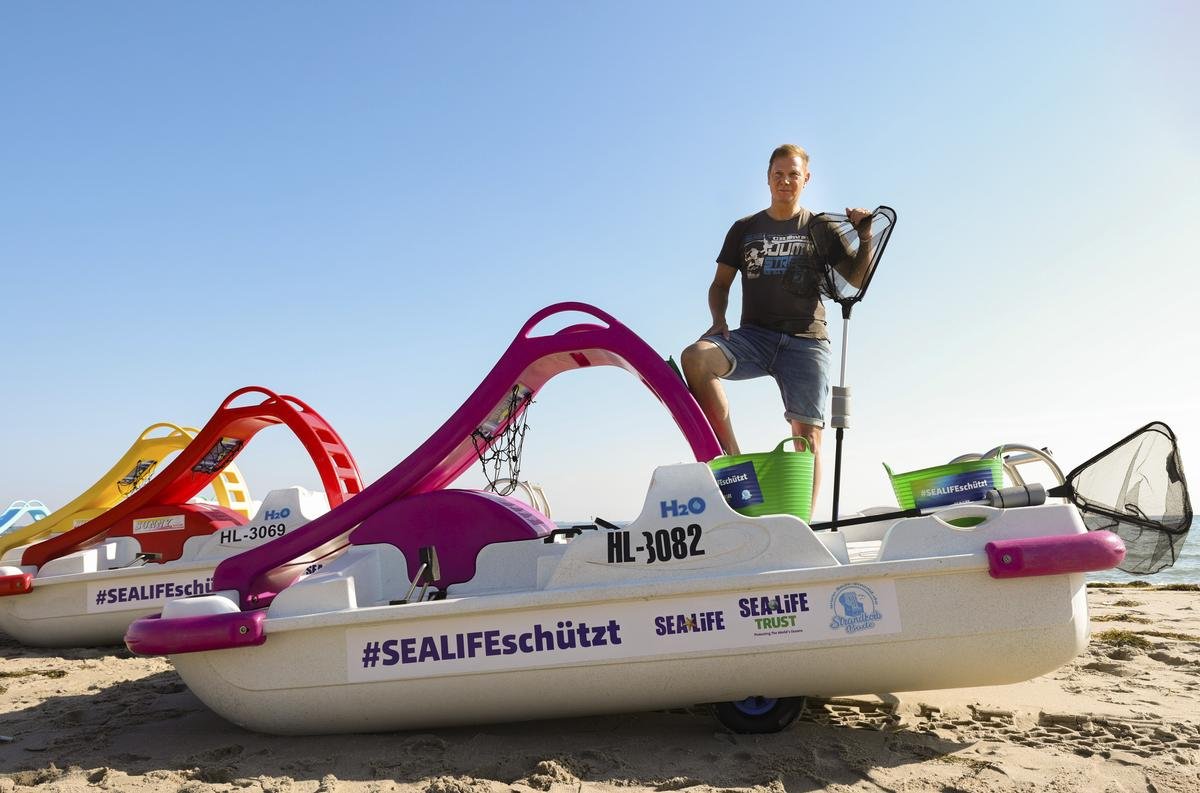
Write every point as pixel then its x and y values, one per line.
pixel 299 682
pixel 90 597
pixel 756 606
pixel 76 610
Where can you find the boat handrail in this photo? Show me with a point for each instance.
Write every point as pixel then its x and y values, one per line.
pixel 1029 454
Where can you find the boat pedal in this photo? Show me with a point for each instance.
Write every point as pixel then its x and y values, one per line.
pixel 429 571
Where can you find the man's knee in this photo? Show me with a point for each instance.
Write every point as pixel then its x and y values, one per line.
pixel 704 358
pixel 693 355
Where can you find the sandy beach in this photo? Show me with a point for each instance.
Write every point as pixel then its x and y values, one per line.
pixel 1123 716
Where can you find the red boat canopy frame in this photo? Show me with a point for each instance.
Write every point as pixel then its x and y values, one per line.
pixel 201 461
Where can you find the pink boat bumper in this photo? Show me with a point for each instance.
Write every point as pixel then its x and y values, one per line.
pixel 157 636
pixel 1068 553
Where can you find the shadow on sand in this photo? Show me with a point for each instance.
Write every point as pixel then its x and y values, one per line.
pixel 154 726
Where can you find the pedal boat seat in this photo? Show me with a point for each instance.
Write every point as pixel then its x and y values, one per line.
pixel 458 523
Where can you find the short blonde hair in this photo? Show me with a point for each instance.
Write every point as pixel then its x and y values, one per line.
pixel 787 150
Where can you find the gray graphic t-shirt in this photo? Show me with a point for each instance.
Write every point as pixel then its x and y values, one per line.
pixel 781 277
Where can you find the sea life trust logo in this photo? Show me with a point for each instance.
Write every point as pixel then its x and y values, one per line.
pixel 855 608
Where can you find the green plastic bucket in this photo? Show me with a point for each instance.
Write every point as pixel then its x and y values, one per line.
pixel 952 483
pixel 777 482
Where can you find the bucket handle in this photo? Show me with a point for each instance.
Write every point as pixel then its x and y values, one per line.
pixel 964 458
pixel 807 443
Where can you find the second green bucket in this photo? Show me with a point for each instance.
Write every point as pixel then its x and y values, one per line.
pixel 947 484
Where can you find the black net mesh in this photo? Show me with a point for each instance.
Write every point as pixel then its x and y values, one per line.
pixel 500 439
pixel 219 456
pixel 846 256
pixel 135 478
pixel 1136 489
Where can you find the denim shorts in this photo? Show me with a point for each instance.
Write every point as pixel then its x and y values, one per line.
pixel 800 367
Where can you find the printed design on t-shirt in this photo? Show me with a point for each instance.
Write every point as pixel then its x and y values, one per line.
pixel 752 254
pixel 773 254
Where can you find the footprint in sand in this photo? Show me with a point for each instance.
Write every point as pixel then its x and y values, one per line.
pixel 1171 660
pixel 1109 668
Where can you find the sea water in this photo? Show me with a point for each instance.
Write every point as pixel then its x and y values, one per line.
pixel 1186 569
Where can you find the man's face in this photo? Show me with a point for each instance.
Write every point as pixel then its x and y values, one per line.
pixel 787 178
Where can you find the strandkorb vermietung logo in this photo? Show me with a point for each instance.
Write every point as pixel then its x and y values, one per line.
pixel 855 608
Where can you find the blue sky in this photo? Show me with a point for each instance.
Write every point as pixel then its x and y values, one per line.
pixel 361 203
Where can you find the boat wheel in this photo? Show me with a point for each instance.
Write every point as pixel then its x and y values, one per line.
pixel 758 714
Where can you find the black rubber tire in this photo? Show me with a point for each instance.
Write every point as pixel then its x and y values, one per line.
pixel 770 717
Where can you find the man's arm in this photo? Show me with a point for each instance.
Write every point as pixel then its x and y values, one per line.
pixel 855 270
pixel 718 299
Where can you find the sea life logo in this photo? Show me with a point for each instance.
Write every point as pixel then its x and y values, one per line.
pixel 696 622
pixel 855 608
pixel 780 613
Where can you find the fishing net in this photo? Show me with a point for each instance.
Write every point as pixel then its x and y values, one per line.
pixel 219 456
pixel 136 477
pixel 500 440
pixel 844 266
pixel 1136 489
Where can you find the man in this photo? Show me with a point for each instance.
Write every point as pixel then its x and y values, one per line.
pixel 782 333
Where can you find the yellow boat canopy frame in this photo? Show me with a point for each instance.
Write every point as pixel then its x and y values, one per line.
pixel 130 472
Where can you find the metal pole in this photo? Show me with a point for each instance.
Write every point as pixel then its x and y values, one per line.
pixel 840 417
pixel 845 346
pixel 837 479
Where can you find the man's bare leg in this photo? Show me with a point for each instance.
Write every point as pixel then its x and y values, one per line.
pixel 703 365
pixel 813 434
